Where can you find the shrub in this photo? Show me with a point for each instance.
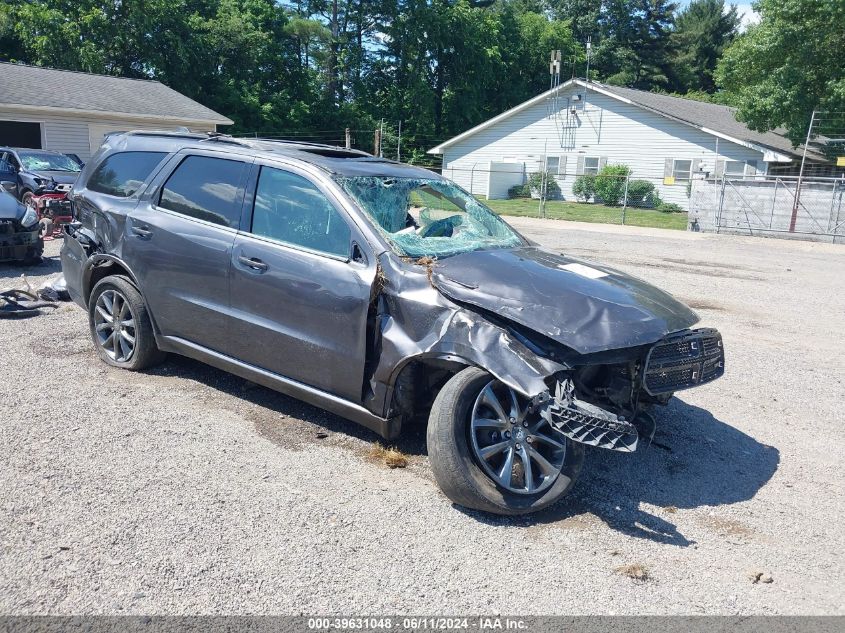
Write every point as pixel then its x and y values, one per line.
pixel 653 200
pixel 535 184
pixel 584 187
pixel 640 193
pixel 669 207
pixel 610 184
pixel 519 191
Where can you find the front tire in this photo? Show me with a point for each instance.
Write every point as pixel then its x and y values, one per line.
pixel 120 325
pixel 489 453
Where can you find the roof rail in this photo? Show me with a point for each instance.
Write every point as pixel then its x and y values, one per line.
pixel 262 143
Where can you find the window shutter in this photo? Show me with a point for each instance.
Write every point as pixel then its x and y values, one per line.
pixel 602 162
pixel 579 169
pixel 720 168
pixel 751 168
pixel 667 168
pixel 562 167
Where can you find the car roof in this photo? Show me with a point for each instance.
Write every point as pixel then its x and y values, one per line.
pixel 334 160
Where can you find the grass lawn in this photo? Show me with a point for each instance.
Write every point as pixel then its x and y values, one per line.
pixel 583 212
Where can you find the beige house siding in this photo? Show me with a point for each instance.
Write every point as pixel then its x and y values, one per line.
pixel 82 134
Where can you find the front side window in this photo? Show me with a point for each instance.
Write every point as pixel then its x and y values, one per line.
pixel 681 170
pixel 290 209
pixel 206 189
pixel 591 165
pixel 122 174
pixel 45 161
pixel 428 216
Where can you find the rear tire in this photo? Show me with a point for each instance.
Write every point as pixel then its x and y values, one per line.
pixel 455 459
pixel 120 325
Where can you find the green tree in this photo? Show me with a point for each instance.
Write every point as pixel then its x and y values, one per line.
pixel 788 65
pixel 634 47
pixel 702 32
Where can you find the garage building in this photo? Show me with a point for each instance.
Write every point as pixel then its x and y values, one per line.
pixel 67 111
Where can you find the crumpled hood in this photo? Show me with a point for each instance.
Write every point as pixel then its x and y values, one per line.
pixel 10 208
pixel 584 306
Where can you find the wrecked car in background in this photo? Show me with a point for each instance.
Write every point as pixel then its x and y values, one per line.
pixel 19 231
pixel 378 291
pixel 41 179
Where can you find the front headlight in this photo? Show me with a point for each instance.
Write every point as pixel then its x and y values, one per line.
pixel 30 218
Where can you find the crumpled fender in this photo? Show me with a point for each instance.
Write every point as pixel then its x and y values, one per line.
pixel 426 324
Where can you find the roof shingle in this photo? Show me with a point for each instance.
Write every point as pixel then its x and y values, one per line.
pixel 25 85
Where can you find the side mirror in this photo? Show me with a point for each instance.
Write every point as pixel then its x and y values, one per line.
pixel 11 187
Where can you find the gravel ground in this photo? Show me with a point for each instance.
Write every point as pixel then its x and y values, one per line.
pixel 185 490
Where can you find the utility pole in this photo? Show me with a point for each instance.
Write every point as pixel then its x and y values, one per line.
pixel 587 78
pixel 380 136
pixel 399 144
pixel 795 204
pixel 348 138
pixel 377 143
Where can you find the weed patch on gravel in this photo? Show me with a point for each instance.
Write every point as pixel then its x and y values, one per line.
pixel 389 456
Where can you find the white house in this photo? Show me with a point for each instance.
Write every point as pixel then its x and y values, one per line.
pixel 45 108
pixel 580 127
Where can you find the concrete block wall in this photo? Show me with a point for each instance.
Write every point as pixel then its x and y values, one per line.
pixel 765 207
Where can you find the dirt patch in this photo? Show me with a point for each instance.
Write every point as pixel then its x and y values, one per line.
pixel 727 527
pixel 704 304
pixel 635 571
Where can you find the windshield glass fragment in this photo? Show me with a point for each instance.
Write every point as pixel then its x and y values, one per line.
pixel 428 217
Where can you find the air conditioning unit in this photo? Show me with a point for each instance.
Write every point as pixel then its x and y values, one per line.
pixel 576 98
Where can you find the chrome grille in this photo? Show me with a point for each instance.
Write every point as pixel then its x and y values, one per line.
pixel 684 360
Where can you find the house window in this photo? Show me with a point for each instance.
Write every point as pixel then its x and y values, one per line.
pixel 553 164
pixel 681 170
pixel 591 165
pixel 734 168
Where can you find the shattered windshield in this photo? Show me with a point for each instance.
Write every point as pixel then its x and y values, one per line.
pixel 427 217
pixel 43 161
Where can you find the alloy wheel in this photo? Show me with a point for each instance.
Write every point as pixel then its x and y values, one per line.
pixel 114 325
pixel 515 446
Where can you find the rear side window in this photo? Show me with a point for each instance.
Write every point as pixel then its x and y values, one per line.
pixel 207 189
pixel 122 174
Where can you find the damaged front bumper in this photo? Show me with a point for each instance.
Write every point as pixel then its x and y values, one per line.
pixel 679 361
pixel 16 245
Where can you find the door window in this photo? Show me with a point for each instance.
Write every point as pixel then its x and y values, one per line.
pixel 290 209
pixel 206 189
pixel 122 174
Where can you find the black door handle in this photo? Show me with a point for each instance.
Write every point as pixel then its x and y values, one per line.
pixel 252 262
pixel 142 231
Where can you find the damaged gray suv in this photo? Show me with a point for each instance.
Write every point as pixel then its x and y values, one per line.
pixel 378 291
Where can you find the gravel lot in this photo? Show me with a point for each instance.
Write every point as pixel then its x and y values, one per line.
pixel 185 490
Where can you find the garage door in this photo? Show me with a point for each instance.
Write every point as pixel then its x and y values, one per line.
pixel 20 134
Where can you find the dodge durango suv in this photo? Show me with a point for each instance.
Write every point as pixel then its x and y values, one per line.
pixel 378 291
